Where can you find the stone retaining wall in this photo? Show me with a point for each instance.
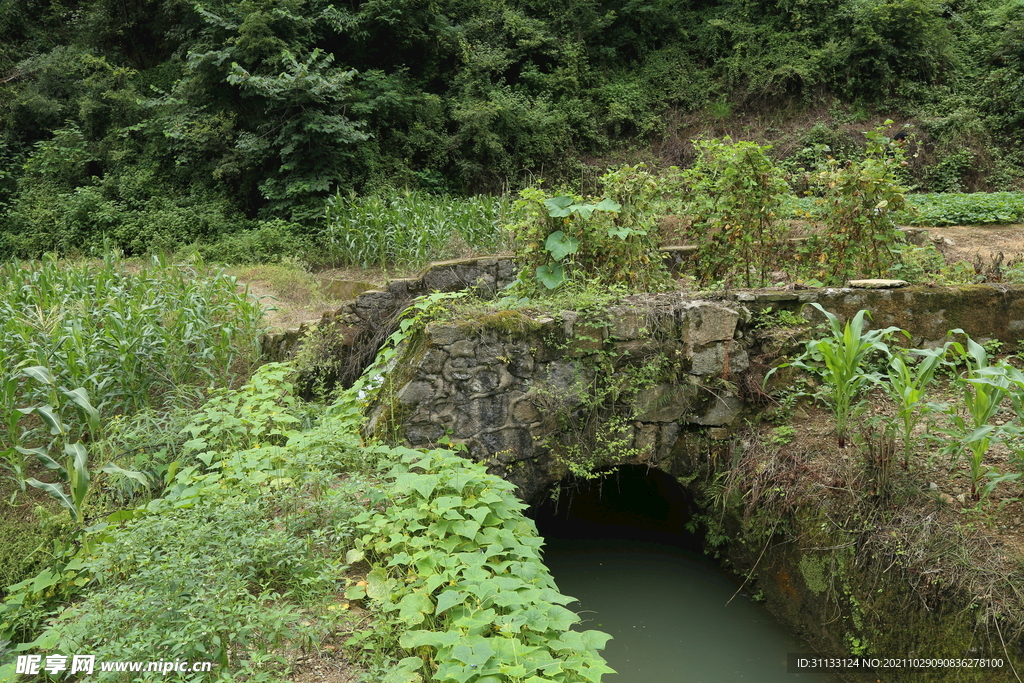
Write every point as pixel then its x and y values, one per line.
pixel 928 313
pixel 505 387
pixel 356 320
pixel 502 383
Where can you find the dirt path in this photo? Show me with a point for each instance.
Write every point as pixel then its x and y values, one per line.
pixel 968 242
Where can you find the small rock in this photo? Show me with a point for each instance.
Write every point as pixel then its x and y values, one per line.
pixel 946 499
pixel 878 283
pixel 962 499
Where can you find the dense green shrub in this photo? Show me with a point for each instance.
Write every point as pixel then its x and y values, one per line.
pixel 202 595
pixel 735 198
pixel 167 122
pixel 857 204
pixel 272 531
pixel 613 241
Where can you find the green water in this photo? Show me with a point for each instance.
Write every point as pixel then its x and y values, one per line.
pixel 622 550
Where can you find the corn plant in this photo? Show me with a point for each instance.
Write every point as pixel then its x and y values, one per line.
pixel 409 228
pixel 75 468
pixel 131 339
pixel 983 387
pixel 839 361
pixel 906 386
pixel 71 465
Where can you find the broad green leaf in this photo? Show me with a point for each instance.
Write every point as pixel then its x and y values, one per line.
pixel 558 207
pixel 78 473
pixel 58 494
pixel 43 580
pixel 437 639
pixel 140 477
pixel 475 654
pixel 585 211
pixel 44 457
pixel 560 245
pixel 40 373
pixel 377 584
pixel 80 398
pixel 467 528
pixel 449 599
pixel 122 516
pixel 405 671
pixel 608 205
pixel 621 232
pixel 596 640
pixel 551 276
pixel 51 419
pixel 414 607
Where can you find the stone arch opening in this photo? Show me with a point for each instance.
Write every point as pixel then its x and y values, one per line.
pixel 633 502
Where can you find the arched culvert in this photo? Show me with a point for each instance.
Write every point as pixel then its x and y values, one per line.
pixel 630 502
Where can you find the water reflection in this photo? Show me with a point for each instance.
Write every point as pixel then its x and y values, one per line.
pixel 622 550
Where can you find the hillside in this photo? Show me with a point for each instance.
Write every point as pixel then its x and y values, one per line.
pixel 162 123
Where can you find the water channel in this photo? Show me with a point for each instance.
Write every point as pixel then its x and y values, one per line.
pixel 621 548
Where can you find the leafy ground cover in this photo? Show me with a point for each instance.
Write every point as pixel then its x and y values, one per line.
pixel 266 539
pixel 942 208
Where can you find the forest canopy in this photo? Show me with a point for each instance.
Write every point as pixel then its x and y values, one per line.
pixel 155 123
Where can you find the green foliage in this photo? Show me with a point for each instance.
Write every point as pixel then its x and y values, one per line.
pixel 840 361
pixel 922 264
pixel 208 594
pixel 75 468
pixel 894 40
pixel 908 381
pixel 983 388
pixel 857 204
pixel 263 412
pixel 458 574
pixel 782 435
pixel 128 339
pixel 456 586
pixel 612 241
pixel 736 195
pixel 269 242
pixel 408 228
pixel 978 208
pixel 28 533
pixel 166 122
pixel 296 518
pixel 770 318
pixel 941 209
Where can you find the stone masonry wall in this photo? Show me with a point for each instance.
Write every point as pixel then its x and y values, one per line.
pixel 506 395
pixel 355 321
